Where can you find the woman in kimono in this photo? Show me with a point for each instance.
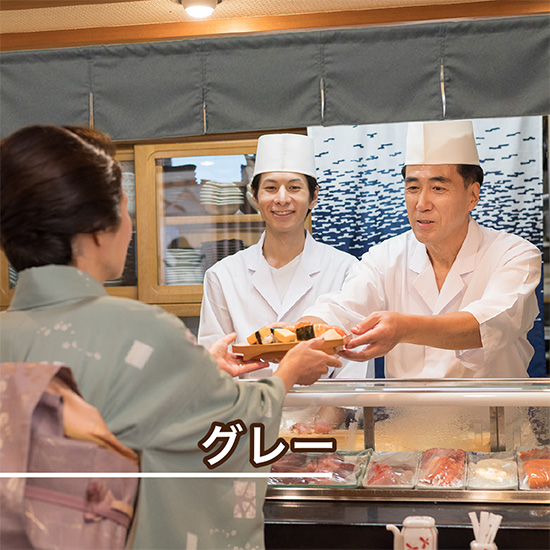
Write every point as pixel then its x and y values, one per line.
pixel 276 279
pixel 65 228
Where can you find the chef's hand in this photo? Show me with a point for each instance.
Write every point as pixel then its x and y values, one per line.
pixel 380 332
pixel 305 363
pixel 231 362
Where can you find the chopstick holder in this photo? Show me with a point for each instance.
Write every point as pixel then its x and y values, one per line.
pixel 485 530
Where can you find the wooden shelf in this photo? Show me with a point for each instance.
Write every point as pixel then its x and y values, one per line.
pixel 123 291
pixel 229 218
pixel 240 26
pixel 189 309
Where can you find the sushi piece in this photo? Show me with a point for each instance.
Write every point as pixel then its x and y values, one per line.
pixel 284 335
pixel 322 329
pixel 331 334
pixel 262 336
pixel 305 332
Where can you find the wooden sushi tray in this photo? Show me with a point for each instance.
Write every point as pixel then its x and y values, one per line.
pixel 277 350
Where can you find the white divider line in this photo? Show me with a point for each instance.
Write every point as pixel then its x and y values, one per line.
pixel 160 475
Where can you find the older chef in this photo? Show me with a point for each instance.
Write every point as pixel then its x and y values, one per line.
pixel 449 298
pixel 277 278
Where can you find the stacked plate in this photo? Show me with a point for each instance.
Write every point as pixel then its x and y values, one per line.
pixel 213 251
pixel 184 267
pixel 13 276
pixel 220 198
pixel 182 201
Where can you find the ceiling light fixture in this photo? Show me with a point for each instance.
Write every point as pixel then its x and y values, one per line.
pixel 199 8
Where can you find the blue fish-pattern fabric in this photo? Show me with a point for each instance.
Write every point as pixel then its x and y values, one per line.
pixel 361 201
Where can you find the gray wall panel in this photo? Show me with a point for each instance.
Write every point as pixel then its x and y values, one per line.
pixel 497 67
pixel 262 83
pixel 386 74
pixel 143 91
pixel 44 87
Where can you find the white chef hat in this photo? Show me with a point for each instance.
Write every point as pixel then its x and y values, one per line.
pixel 444 142
pixel 285 153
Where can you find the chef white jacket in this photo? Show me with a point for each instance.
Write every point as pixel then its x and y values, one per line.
pixel 240 296
pixel 494 277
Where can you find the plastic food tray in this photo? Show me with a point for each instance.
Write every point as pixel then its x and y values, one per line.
pixel 404 466
pixel 442 468
pixel 533 479
pixel 351 479
pixel 492 471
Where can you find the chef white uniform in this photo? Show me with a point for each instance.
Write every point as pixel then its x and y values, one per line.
pixel 494 277
pixel 240 296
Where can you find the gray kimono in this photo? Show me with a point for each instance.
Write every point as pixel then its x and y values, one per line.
pixel 159 393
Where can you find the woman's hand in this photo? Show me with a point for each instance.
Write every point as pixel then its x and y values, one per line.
pixel 305 363
pixel 231 362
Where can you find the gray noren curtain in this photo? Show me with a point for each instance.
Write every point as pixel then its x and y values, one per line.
pixel 490 67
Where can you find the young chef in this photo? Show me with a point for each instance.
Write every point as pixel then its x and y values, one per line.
pixel 65 228
pixel 277 278
pixel 448 298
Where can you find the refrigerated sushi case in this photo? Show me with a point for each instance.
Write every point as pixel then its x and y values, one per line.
pixel 483 417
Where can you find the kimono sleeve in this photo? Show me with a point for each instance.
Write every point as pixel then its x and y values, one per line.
pixel 171 401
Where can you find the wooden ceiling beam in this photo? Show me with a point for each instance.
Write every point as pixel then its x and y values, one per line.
pixel 8 5
pixel 247 25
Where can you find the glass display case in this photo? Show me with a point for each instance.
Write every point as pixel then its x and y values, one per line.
pixel 499 420
pixel 397 430
pixel 194 208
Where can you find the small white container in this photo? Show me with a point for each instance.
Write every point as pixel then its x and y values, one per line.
pixel 418 531
pixel 475 545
